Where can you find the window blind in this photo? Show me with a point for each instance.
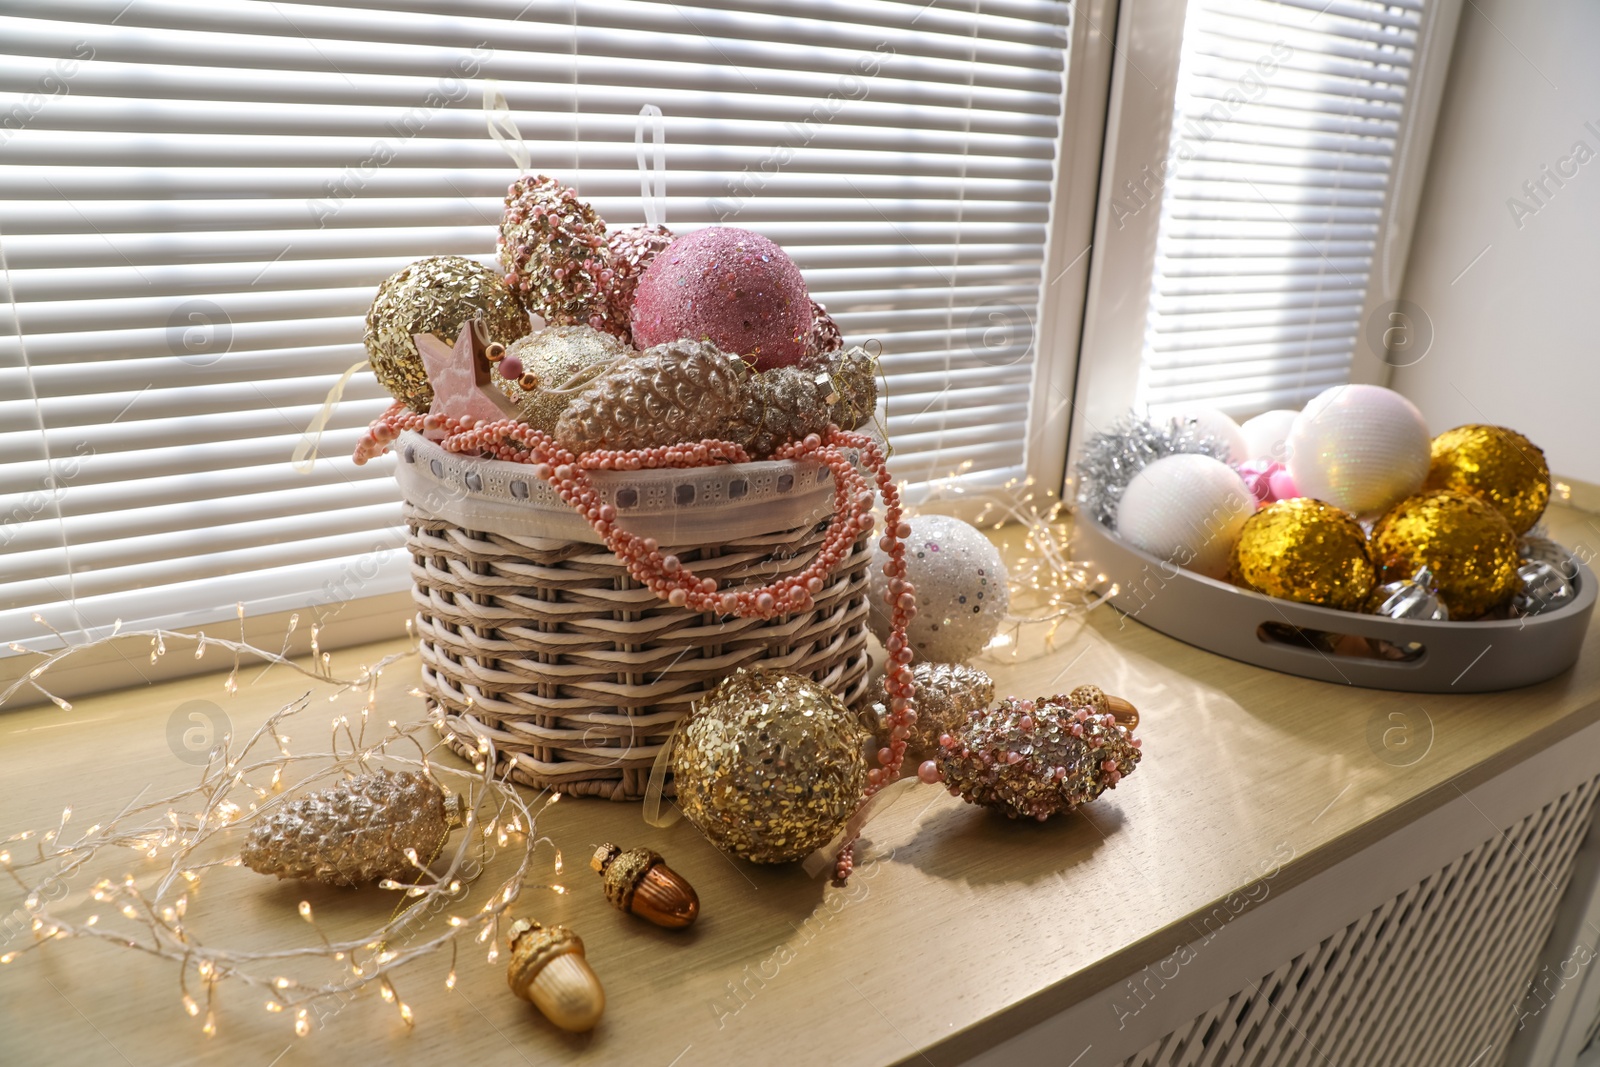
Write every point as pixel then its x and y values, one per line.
pixel 198 200
pixel 1277 180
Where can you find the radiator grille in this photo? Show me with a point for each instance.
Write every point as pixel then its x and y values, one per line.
pixel 1436 975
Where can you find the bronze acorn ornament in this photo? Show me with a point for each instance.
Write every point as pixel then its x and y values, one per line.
pixel 548 969
pixel 640 883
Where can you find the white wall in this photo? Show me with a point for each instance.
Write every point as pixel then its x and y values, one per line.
pixel 1516 333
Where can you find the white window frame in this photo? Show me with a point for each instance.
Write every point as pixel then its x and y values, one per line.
pixel 1139 129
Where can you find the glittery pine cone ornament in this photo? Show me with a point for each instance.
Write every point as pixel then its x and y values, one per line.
pixel 554 249
pixel 947 693
pixel 629 254
pixel 769 766
pixel 825 336
pixel 435 295
pixel 1110 460
pixel 784 404
pixel 675 392
pixel 356 832
pixel 1497 465
pixel 1036 758
pixel 855 387
pixel 1466 544
pixel 545 371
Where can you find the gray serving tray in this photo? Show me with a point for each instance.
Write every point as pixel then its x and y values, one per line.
pixel 1440 657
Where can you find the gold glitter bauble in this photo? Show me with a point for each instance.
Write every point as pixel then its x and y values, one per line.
pixel 436 296
pixel 1500 466
pixel 565 358
pixel 1468 545
pixel 769 766
pixel 1305 550
pixel 355 832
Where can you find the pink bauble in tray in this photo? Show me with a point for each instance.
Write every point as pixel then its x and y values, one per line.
pixel 729 286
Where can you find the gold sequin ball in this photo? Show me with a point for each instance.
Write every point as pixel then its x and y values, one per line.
pixel 1500 466
pixel 436 296
pixel 1305 550
pixel 1468 545
pixel 769 766
pixel 563 360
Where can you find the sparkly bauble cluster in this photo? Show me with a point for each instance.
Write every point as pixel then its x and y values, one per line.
pixel 1467 545
pixel 963 591
pixel 434 296
pixel 1307 551
pixel 366 828
pixel 553 247
pixel 769 766
pixel 728 286
pixel 1036 758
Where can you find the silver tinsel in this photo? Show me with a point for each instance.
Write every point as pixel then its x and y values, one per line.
pixel 1110 460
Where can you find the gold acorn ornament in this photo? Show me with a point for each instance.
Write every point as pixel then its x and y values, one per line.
pixel 549 970
pixel 640 883
pixel 366 828
pixel 675 392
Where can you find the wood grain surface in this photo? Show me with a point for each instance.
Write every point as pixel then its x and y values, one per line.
pixel 958 928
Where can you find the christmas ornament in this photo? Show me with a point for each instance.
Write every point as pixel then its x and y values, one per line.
pixel 1110 460
pixel 962 590
pixel 629 252
pixel 1035 757
pixel 1540 588
pixel 1409 598
pixel 825 336
pixel 769 766
pixel 676 392
pixel 1362 448
pixel 460 376
pixel 640 883
pixel 728 286
pixel 554 250
pixel 946 694
pixel 1307 551
pixel 356 832
pixel 1465 543
pixel 434 296
pixel 786 403
pixel 549 969
pixel 1098 701
pixel 854 376
pixel 1210 422
pixel 1187 509
pixel 1267 482
pixel 1535 546
pixel 1266 437
pixel 563 361
pixel 1498 465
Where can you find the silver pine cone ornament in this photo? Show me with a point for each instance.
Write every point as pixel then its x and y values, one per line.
pixel 677 392
pixel 1035 758
pixel 356 832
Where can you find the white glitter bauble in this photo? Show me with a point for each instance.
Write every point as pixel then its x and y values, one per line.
pixel 961 584
pixel 1362 448
pixel 1187 509
pixel 1266 436
pixel 1217 424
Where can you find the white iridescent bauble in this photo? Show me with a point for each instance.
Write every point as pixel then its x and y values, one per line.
pixel 1362 448
pixel 1267 435
pixel 1210 421
pixel 1187 509
pixel 961 584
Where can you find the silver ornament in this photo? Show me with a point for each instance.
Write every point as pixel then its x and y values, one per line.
pixel 962 589
pixel 1540 588
pixel 1110 460
pixel 1534 546
pixel 1416 597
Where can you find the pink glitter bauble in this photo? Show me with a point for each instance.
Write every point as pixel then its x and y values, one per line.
pixel 728 286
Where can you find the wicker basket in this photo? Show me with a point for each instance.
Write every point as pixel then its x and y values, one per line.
pixel 534 634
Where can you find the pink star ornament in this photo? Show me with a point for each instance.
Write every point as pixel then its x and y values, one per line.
pixel 459 375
